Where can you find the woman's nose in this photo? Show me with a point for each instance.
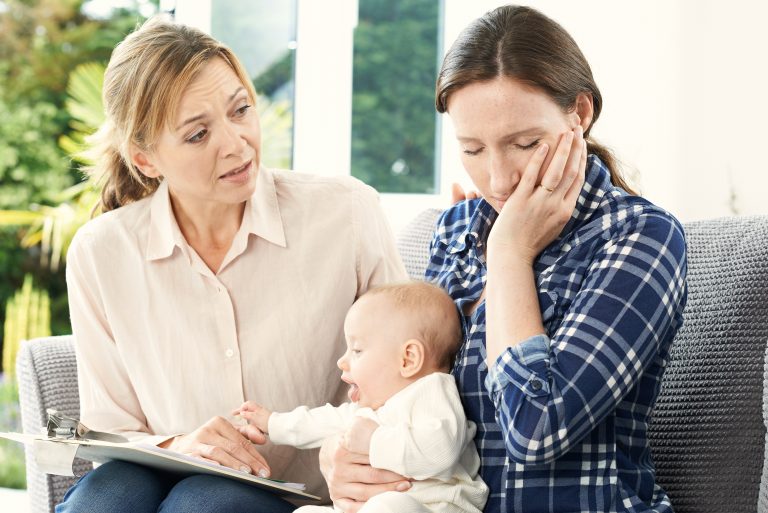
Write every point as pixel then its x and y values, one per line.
pixel 503 175
pixel 232 142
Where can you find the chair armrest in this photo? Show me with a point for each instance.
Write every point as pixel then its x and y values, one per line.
pixel 47 374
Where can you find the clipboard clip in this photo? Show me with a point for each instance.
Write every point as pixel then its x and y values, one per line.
pixel 69 428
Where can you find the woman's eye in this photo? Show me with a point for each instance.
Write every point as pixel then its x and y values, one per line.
pixel 473 152
pixel 243 110
pixel 198 136
pixel 528 146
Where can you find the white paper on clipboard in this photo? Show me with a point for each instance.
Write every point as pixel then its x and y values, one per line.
pixel 55 456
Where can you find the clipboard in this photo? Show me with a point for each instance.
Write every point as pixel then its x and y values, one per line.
pixel 54 455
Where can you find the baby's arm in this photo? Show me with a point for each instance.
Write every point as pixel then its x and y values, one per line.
pixel 306 428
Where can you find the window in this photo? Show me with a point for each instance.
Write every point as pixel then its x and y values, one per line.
pixel 394 123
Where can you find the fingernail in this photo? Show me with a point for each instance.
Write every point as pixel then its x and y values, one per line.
pixel 543 149
pixel 403 486
pixel 263 473
pixel 245 469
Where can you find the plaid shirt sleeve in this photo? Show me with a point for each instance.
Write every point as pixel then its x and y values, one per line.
pixel 550 393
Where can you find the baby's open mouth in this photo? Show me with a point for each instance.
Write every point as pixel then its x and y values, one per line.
pixel 354 393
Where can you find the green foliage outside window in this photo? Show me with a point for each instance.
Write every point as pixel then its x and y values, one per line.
pixel 27 316
pixel 27 145
pixel 12 469
pixel 393 113
pixel 41 42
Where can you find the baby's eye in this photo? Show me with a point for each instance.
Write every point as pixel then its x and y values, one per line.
pixel 356 351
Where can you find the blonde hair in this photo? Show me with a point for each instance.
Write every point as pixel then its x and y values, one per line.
pixel 143 84
pixel 435 315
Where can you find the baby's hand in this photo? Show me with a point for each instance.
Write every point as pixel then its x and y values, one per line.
pixel 358 437
pixel 255 414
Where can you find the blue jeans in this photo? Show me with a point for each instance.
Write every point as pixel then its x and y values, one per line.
pixel 119 486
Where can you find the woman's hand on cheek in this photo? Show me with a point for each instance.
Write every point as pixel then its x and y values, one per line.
pixel 351 479
pixel 537 211
pixel 220 442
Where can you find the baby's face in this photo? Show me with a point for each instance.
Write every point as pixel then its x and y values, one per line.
pixel 371 364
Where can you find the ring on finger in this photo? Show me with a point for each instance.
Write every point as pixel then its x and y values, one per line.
pixel 546 188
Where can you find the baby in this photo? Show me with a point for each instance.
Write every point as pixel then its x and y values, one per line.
pixel 405 413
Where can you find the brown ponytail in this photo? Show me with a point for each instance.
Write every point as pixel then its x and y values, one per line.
pixel 120 183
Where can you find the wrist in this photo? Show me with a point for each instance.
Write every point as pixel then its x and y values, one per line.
pixel 508 253
pixel 265 422
pixel 505 257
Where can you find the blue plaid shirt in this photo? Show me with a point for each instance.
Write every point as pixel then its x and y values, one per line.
pixel 562 417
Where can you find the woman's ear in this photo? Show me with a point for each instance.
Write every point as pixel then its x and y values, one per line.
pixel 143 163
pixel 585 110
pixel 412 358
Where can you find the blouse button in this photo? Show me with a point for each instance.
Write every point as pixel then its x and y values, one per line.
pixel 229 353
pixel 535 385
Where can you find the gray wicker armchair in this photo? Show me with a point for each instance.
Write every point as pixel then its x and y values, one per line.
pixel 47 373
pixel 708 437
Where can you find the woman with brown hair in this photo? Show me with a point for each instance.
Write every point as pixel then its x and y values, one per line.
pixel 208 280
pixel 570 286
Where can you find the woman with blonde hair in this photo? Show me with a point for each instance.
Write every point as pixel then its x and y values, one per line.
pixel 208 279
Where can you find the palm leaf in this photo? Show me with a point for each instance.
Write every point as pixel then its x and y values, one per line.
pixel 84 102
pixel 53 227
pixel 18 217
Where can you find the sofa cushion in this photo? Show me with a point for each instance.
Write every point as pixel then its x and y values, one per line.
pixel 762 506
pixel 413 242
pixel 707 433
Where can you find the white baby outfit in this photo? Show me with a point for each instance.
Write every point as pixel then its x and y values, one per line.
pixel 423 434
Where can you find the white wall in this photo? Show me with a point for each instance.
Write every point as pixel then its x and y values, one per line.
pixel 685 91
